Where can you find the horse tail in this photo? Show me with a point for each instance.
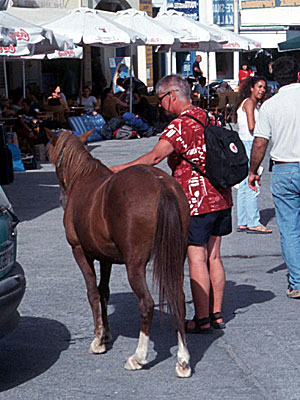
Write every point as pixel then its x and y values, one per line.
pixel 168 257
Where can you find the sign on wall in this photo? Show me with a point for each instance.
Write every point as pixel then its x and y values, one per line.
pixel 39 3
pixel 223 12
pixel 189 7
pixel 269 3
pixel 146 5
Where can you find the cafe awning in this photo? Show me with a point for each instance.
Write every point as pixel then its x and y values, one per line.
pixel 290 45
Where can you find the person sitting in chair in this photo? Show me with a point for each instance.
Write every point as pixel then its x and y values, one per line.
pixel 89 102
pixel 57 98
pixel 111 106
pixel 201 88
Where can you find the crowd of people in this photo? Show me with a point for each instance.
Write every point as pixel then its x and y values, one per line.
pixel 28 129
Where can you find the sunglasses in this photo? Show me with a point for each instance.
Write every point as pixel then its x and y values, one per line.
pixel 160 99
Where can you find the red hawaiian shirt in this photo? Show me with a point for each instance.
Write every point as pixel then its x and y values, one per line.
pixel 187 137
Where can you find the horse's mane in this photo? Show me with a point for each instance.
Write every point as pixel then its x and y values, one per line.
pixel 71 152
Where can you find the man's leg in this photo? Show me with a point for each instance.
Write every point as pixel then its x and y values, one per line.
pixel 285 187
pixel 200 282
pixel 217 275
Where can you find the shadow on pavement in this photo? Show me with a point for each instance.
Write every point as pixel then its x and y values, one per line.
pixel 125 321
pixel 30 350
pixel 266 215
pixel 280 267
pixel 33 194
pixel 241 296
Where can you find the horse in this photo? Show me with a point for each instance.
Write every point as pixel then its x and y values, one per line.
pixel 131 217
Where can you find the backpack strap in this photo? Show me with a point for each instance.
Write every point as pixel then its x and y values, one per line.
pixel 197 120
pixel 195 166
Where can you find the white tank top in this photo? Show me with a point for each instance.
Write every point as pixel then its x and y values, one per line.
pixel 243 123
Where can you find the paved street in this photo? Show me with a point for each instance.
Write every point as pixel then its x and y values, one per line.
pixel 255 357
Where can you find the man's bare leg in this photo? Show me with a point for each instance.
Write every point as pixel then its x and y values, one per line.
pixel 200 282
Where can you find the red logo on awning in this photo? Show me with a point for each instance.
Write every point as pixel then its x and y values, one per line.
pixel 9 49
pixel 22 35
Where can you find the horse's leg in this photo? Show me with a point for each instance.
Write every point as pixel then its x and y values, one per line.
pixel 87 268
pixel 137 280
pixel 182 369
pixel 105 270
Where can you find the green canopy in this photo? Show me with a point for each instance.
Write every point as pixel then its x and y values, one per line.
pixel 290 45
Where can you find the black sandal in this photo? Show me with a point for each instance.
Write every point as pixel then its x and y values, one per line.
pixel 198 324
pixel 214 323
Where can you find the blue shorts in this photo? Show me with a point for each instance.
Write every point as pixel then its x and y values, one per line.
pixel 203 226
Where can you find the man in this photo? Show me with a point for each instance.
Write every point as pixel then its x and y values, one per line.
pixel 197 72
pixel 210 208
pixel 279 120
pixel 201 88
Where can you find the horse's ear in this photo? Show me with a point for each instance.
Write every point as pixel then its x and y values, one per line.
pixel 52 136
pixel 84 136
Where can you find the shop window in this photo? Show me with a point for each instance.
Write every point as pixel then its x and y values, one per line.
pixel 224 65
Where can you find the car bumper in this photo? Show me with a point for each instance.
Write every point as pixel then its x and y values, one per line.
pixel 12 288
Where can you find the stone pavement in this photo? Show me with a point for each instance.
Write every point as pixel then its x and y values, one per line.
pixel 255 357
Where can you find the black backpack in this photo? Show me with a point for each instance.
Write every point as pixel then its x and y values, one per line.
pixel 226 158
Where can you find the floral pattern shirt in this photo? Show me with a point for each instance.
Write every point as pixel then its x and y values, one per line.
pixel 187 138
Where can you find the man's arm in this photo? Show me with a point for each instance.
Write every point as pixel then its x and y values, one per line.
pixel 257 155
pixel 160 151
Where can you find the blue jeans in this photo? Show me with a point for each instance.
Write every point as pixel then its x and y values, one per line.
pixel 247 208
pixel 285 188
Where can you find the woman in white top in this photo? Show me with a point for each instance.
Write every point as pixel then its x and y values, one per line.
pixel 89 102
pixel 251 95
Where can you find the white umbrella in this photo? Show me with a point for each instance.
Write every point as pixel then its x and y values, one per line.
pixel 75 52
pixel 221 39
pixel 154 32
pixel 25 32
pixel 30 38
pixel 198 37
pixel 87 26
pixel 235 41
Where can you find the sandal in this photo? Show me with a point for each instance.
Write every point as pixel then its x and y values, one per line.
pixel 259 229
pixel 198 323
pixel 242 228
pixel 213 319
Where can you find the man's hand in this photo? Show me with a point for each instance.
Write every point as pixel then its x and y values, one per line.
pixel 253 178
pixel 160 151
pixel 258 151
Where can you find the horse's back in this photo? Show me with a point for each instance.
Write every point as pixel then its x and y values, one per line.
pixel 137 189
pixel 132 201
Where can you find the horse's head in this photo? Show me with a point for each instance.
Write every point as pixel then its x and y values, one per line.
pixel 56 151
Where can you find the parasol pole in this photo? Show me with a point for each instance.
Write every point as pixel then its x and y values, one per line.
pixel 130 82
pixel 24 78
pixel 208 79
pixel 5 76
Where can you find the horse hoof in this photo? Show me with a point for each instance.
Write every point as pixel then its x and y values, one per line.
pixel 96 347
pixel 183 371
pixel 132 364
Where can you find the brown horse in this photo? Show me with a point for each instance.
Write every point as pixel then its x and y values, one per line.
pixel 132 217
